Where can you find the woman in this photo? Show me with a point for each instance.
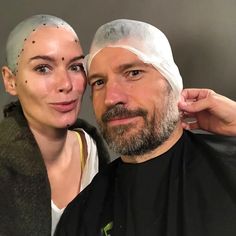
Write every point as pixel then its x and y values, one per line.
pixel 47 156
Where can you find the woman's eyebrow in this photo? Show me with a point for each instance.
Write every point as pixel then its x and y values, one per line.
pixel 51 59
pixel 76 58
pixel 42 57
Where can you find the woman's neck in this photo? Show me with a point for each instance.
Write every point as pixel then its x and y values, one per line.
pixel 61 153
pixel 52 143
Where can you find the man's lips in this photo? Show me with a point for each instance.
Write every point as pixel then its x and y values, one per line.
pixel 64 106
pixel 122 120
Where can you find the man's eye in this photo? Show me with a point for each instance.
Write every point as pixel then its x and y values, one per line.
pixel 77 67
pixel 42 69
pixel 134 73
pixel 97 83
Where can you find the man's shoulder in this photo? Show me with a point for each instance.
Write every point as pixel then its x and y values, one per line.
pixel 102 181
pixel 216 143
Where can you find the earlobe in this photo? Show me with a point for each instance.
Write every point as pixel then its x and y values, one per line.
pixel 9 80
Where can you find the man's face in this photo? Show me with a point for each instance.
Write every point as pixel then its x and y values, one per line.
pixel 134 105
pixel 50 79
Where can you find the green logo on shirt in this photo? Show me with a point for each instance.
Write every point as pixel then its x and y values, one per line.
pixel 106 231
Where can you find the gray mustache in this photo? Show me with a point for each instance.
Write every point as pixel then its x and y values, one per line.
pixel 119 112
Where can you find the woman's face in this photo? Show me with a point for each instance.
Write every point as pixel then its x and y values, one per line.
pixel 50 80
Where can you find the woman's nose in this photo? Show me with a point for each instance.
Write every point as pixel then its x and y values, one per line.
pixel 64 82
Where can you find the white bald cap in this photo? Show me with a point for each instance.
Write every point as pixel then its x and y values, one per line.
pixel 146 41
pixel 22 31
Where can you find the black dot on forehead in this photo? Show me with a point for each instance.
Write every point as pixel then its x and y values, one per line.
pixel 26 81
pixel 44 23
pixel 33 29
pixel 25 39
pixel 33 41
pixel 63 58
pixel 76 40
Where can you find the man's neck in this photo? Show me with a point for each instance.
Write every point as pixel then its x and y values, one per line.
pixel 169 143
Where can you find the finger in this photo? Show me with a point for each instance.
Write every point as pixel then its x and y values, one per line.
pixel 195 106
pixel 195 93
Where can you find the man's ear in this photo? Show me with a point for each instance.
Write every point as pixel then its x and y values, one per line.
pixel 9 80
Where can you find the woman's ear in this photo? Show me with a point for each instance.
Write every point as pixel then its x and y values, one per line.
pixel 9 80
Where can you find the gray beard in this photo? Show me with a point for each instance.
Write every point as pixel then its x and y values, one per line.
pixel 128 140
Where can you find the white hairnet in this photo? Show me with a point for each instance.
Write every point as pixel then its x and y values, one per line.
pixel 142 39
pixel 21 32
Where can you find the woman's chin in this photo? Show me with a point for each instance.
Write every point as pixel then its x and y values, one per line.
pixel 66 124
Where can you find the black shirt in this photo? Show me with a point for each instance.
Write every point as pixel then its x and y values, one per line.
pixel 188 191
pixel 141 192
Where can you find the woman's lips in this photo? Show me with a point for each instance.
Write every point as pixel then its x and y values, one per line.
pixel 64 106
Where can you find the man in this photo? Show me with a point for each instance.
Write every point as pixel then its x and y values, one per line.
pixel 167 182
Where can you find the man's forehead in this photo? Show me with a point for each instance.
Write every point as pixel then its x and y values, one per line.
pixel 117 57
pixel 146 41
pixel 117 60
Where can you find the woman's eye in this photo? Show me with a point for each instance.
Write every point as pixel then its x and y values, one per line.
pixel 42 69
pixel 77 67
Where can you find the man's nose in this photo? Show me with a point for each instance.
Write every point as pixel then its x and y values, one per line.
pixel 115 93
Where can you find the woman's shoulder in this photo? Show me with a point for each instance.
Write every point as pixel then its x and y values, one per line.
pixel 103 153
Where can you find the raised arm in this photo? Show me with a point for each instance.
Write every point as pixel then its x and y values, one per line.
pixel 212 112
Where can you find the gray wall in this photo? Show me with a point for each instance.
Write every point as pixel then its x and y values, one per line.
pixel 202 33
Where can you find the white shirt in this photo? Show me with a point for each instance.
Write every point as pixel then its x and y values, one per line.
pixel 90 170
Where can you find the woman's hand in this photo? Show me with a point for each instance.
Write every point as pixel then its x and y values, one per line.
pixel 211 111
